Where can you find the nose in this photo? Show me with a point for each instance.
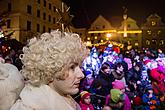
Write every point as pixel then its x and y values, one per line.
pixel 80 74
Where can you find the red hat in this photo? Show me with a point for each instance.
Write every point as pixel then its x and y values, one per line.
pixel 84 94
pixel 137 101
pixel 146 61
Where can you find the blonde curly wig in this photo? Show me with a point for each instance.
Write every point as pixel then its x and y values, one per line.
pixel 46 57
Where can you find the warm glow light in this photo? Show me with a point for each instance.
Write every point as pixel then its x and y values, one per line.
pixel 88 43
pixel 95 37
pixel 107 38
pixel 125 34
pixel 108 35
pixel 131 32
pixel 102 41
pixel 88 38
pixel 105 31
pixel 114 31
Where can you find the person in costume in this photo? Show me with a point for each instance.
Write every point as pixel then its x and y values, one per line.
pixel 11 84
pixel 52 72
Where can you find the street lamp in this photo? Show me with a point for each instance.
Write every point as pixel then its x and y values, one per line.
pixel 108 35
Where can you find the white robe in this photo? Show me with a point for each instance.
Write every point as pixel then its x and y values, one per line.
pixel 41 98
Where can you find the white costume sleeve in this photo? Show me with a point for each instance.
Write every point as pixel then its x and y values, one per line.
pixel 20 106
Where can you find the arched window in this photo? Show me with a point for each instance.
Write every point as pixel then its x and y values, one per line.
pixel 147 42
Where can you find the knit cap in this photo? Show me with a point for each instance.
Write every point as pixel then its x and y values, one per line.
pixel 115 95
pixel 84 94
pixel 117 84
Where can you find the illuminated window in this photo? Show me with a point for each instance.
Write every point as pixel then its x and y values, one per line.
pixel 149 32
pixel 154 41
pixel 159 32
pixel 161 42
pixel 153 23
pixel 147 42
pixel 136 44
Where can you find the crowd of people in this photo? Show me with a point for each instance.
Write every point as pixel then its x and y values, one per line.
pixel 125 80
pixel 56 71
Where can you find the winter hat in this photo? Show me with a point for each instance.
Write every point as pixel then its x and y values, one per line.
pixel 147 61
pixel 115 95
pixel 117 84
pixel 148 87
pixel 84 94
pixel 137 101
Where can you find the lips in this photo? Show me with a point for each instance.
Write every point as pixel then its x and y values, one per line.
pixel 77 84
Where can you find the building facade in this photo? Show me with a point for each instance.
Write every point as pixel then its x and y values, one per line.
pixel 29 17
pixel 153 33
pixel 129 33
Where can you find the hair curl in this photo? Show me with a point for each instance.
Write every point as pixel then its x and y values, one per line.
pixel 46 57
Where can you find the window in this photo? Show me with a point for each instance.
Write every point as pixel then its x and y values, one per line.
pixel 38 1
pixel 54 20
pixel 49 18
pixel 44 29
pixel 8 23
pixel 44 16
pixel 9 7
pixel 28 25
pixel 136 34
pixel 29 9
pixel 44 3
pixel 54 8
pixel 159 31
pixel 149 32
pixel 161 42
pixel 153 23
pixel 154 42
pixel 38 28
pixel 49 29
pixel 50 6
pixel 38 13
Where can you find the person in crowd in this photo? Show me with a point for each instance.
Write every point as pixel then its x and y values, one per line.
pixel 134 73
pixel 149 99
pixel 85 102
pixel 102 84
pixel 118 72
pixel 11 84
pixel 52 73
pixel 117 84
pixel 105 78
pixel 115 100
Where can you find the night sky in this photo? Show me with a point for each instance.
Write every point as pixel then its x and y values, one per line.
pixel 86 11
